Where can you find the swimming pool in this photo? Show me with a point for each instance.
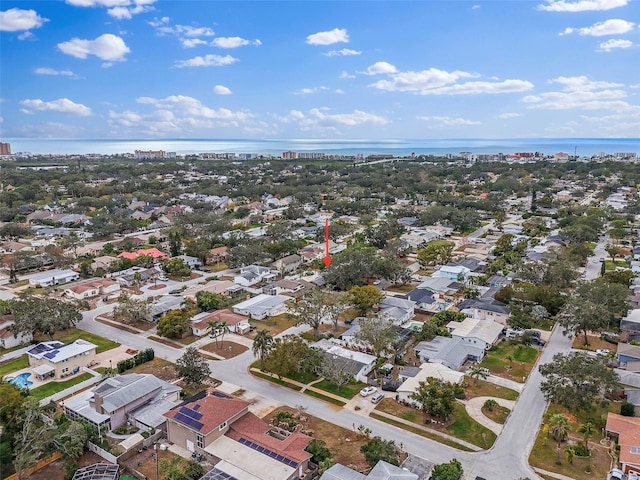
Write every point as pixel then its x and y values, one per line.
pixel 21 380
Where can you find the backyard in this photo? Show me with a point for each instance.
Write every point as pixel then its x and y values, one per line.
pixel 162 369
pixel 543 454
pixel 13 365
pixel 55 387
pixel 72 334
pixel 510 360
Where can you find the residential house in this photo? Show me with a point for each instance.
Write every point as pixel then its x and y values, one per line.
pixel 52 277
pixel 236 323
pixel 93 288
pixel 426 301
pixel 499 281
pixel 136 276
pixel 164 304
pixel 451 352
pixel 262 306
pixel 291 288
pixel 241 445
pixel 252 275
pixel 219 287
pixel 153 252
pixel 217 255
pixel 453 272
pixel 480 333
pixel 59 360
pixel 381 471
pixel 628 357
pixel 287 264
pixel 630 382
pixel 191 262
pixel 398 309
pixel 625 431
pixel 486 309
pixel 137 398
pixel 361 363
pixel 427 370
pixel 103 262
pixel 8 339
pixel 13 247
pixel 630 326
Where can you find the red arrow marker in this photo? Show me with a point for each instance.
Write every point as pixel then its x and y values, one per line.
pixel 327 258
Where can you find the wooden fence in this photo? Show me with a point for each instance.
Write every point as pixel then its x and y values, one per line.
pixel 41 464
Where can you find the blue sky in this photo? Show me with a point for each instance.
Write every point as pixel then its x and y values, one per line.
pixel 304 69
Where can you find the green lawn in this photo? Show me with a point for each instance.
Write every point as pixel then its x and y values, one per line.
pixel 276 381
pixel 346 391
pixel 68 336
pixel 465 428
pixel 14 365
pixel 482 388
pixel 311 393
pixel 54 387
pixel 521 363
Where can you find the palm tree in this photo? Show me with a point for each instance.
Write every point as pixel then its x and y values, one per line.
pixel 477 372
pixel 490 404
pixel 570 451
pixel 214 325
pixel 224 328
pixel 262 344
pixel 559 429
pixel 587 430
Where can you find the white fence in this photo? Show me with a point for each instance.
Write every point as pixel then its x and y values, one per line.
pixel 74 388
pixel 103 453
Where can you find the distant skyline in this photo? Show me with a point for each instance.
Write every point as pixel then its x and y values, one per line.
pixel 417 69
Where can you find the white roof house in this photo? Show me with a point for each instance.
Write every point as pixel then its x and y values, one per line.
pixel 53 277
pixel 427 370
pixel 262 306
pixel 475 331
pixel 56 352
pixel 364 361
pixel 399 310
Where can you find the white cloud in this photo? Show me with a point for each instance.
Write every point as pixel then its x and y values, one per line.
pixel 581 5
pixel 106 47
pixel 380 67
pixel 440 82
pixel 155 123
pixel 509 115
pixel 337 35
pixel 120 9
pixel 193 42
pixel 308 91
pixel 233 42
pixel 346 75
pixel 615 43
pixel 63 105
pixel 345 52
pixel 53 71
pixel 16 19
pixel 581 93
pixel 221 90
pixel 475 7
pixel 207 61
pixel 614 26
pixel 450 121
pixel 318 119
pixel 192 107
pixel 339 91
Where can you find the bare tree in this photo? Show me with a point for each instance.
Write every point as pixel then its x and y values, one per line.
pixel 336 370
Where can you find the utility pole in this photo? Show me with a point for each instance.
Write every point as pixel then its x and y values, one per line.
pixel 156 450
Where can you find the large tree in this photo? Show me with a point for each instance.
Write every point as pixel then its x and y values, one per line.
pixel 447 471
pixel 576 380
pixel 364 297
pixel 317 308
pixel 378 333
pixel 130 310
pixel 192 367
pixel 32 440
pixel 290 356
pixel 208 301
pixel 262 344
pixel 336 370
pixel 437 397
pixel 378 449
pixel 174 323
pixel 45 315
pixel 437 252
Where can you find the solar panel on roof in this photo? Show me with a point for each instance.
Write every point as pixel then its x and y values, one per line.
pixel 268 452
pixel 196 407
pixel 51 355
pixel 190 413
pixel 190 422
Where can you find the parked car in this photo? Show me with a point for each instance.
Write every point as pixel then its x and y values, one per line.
pixel 616 474
pixel 603 351
pixel 377 398
pixel 366 391
pixel 177 291
pixel 539 342
pixel 532 332
pixel 390 386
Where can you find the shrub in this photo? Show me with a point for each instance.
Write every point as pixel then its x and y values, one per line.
pixel 627 409
pixel 318 448
pixel 138 359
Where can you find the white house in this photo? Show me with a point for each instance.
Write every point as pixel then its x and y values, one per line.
pixel 53 277
pixel 7 338
pixel 427 370
pixel 486 309
pixel 479 333
pixel 102 286
pixel 252 275
pixel 191 262
pixel 453 272
pixel 262 306
pixel 236 323
pixel 363 363
pixel 398 309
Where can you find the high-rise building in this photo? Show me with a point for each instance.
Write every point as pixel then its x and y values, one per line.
pixel 289 155
pixel 5 148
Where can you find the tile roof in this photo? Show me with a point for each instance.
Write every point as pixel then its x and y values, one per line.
pixel 628 430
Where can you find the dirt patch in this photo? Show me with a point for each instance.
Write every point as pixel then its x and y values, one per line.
pixel 160 368
pixel 55 470
pixel 145 462
pixel 344 444
pixel 225 349
pixel 107 319
pixel 156 287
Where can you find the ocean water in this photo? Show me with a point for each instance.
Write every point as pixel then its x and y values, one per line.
pixel 548 146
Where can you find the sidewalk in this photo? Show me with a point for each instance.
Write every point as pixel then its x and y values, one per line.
pixel 547 473
pixel 504 382
pixel 304 386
